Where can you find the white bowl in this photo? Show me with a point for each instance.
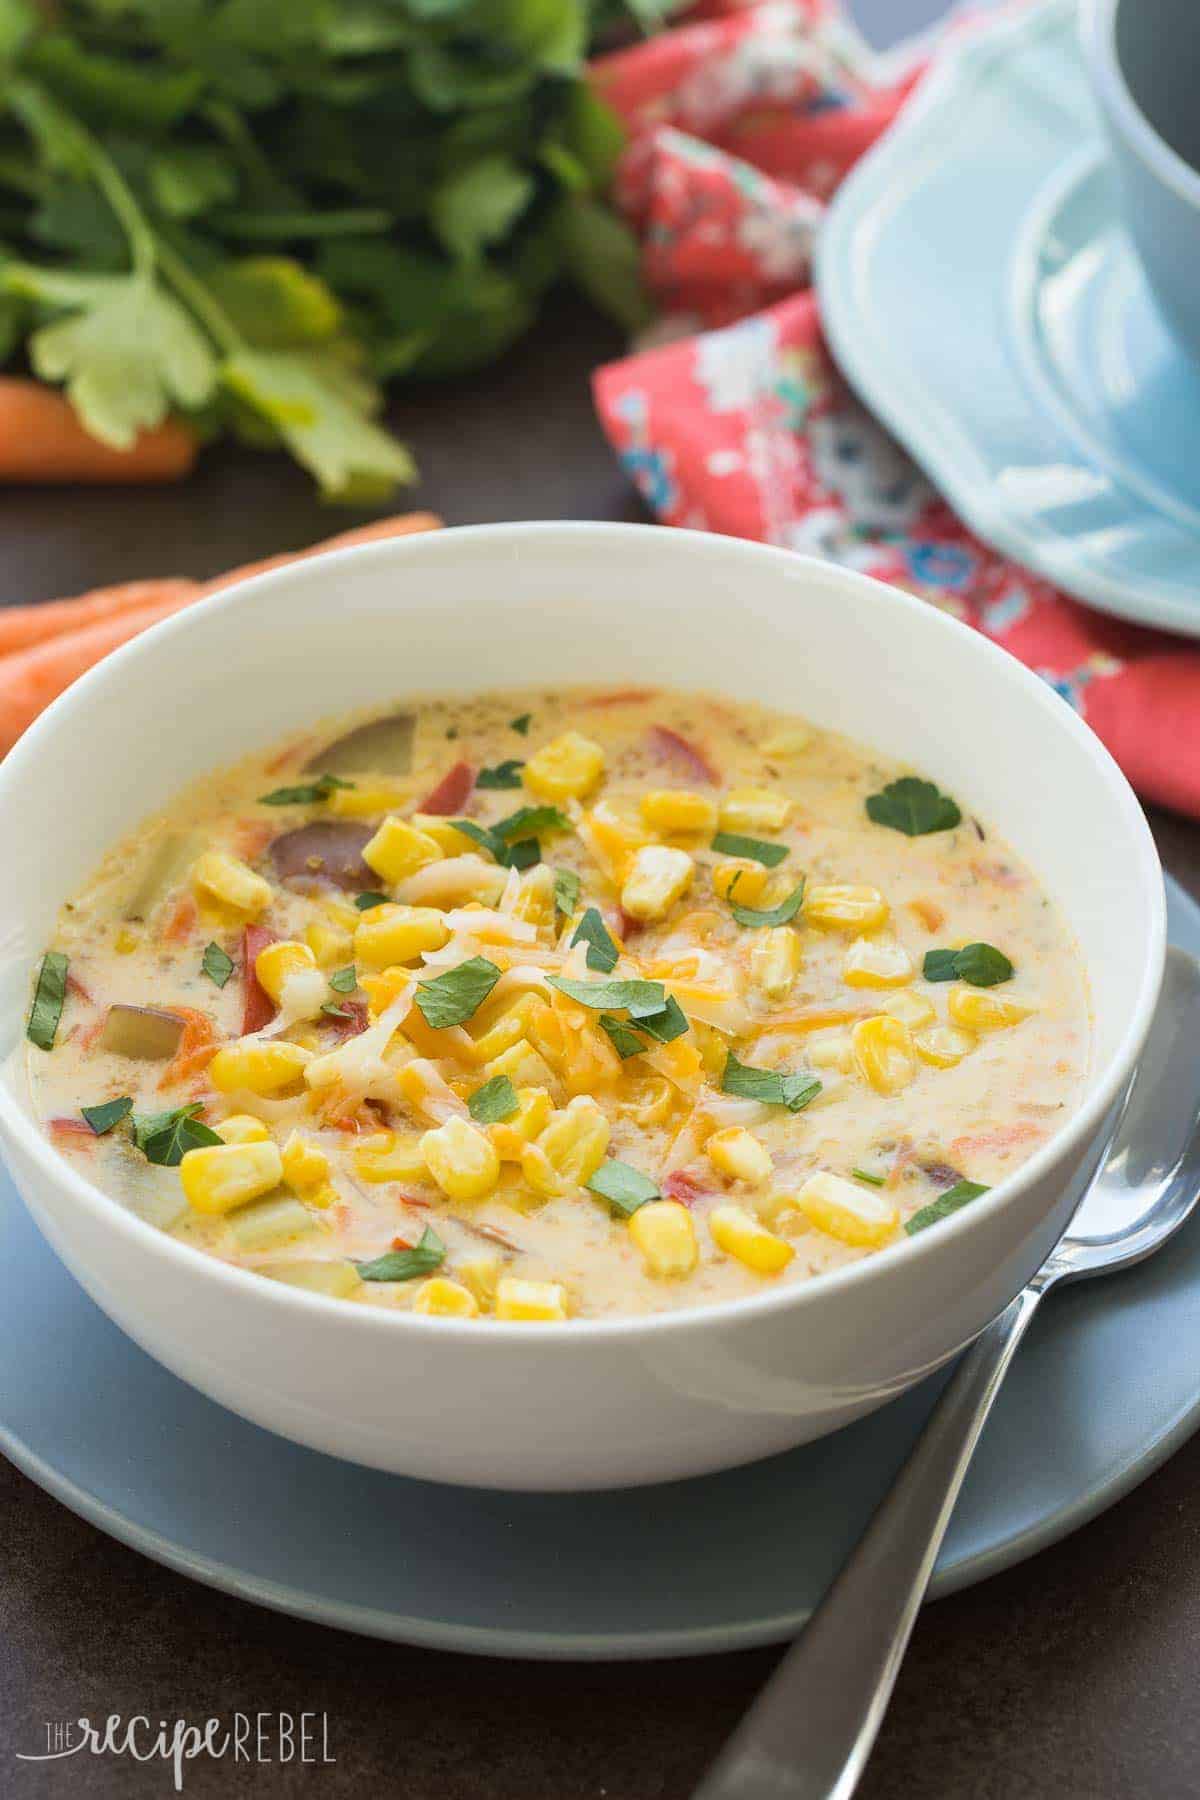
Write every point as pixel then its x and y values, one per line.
pixel 606 1403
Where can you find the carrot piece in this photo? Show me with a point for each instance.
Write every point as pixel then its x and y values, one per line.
pixel 399 525
pixel 23 626
pixel 686 758
pixel 451 793
pixel 197 1046
pixel 43 439
pixel 180 922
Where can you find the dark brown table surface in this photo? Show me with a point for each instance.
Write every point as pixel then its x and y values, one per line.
pixel 1073 1675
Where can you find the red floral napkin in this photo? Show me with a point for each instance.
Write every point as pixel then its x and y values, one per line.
pixel 742 123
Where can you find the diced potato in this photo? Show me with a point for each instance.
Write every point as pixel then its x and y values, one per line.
pixel 911 1009
pixel 754 809
pixel 480 1272
pixel 143 1032
pixel 271 1222
pixel 872 963
pixel 567 768
pixel 336 1278
pixel 847 1210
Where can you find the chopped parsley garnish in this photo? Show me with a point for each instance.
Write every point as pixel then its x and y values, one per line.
pixel 520 724
pixel 521 855
pixel 528 821
pixel 640 999
pixel 591 930
pixel 625 1040
pixel 914 807
pixel 456 996
pixel 344 981
pixel 506 774
pixel 102 1118
pixel 217 964
pixel 867 1176
pixel 960 1195
pixel 333 1011
pixel 670 1023
pixel 308 793
pixel 624 1187
pixel 729 843
pixel 566 891
pixel 782 914
pixel 48 998
pixel 365 902
pixel 982 965
pixel 406 1265
pixel 165 1138
pixel 768 1085
pixel 494 1101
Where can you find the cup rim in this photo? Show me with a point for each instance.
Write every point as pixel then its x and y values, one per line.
pixel 1099 34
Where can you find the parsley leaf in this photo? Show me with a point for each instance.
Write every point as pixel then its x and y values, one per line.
pixel 504 775
pixel 102 1118
pixel 961 1194
pixel 406 1265
pixel 782 914
pixel 521 855
pixel 982 965
pixel 365 902
pixel 529 821
pixel 640 999
pixel 591 930
pixel 566 891
pixel 624 1187
pixel 48 999
pixel 866 1175
pixel 307 793
pixel 768 1085
pixel 165 1138
pixel 494 1101
pixel 520 724
pixel 670 1023
pixel 914 807
pixel 625 1040
pixel 344 981
pixel 217 964
pixel 334 1011
pixel 731 843
pixel 456 996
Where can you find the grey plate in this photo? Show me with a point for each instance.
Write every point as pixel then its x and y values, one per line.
pixel 1106 1387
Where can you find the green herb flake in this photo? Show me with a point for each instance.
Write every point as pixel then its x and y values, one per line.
pixel 591 930
pixel 869 1178
pixel 567 885
pixel 217 964
pixel 960 1195
pixel 783 914
pixel 456 996
pixel 406 1265
pixel 729 843
pixel 625 1040
pixel 668 1024
pixel 640 999
pixel 49 997
pixel 102 1118
pixel 982 965
pixel 521 724
pixel 521 855
pixel 530 821
pixel 494 1101
pixel 165 1138
pixel 770 1086
pixel 624 1187
pixel 503 775
pixel 332 1010
pixel 344 981
pixel 914 807
pixel 940 965
pixel 308 793
pixel 365 902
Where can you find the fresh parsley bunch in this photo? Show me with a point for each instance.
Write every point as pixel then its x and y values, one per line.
pixel 256 213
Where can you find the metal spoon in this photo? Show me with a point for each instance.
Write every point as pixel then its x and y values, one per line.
pixel 809 1733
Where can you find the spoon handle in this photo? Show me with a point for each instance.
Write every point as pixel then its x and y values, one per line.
pixel 809 1734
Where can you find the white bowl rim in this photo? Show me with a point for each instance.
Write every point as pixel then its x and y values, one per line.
pixel 1099 30
pixel 1109 1085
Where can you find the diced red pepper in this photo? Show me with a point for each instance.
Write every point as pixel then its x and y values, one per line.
pixel 348 1028
pixel 258 1008
pixel 73 1129
pixel 683 756
pixel 76 987
pixel 627 925
pixel 679 1185
pixel 451 793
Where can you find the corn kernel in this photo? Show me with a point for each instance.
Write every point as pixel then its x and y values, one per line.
pixel 392 1156
pixel 276 962
pixel 567 768
pixel 792 740
pixel 332 948
pixel 942 1046
pixel 535 901
pixel 754 809
pixel 838 906
pixel 612 838
pixel 125 942
pixel 507 1029
pixel 657 878
pixel 678 809
pixel 977 1009
pixel 262 1067
pixel 229 882
pixel 306 1170
pixel 854 1214
pixel 242 1128
pixel 664 1233
pixel 398 850
pixel 775 958
pixel 461 1159
pixel 569 1150
pixel 740 880
pixel 739 1234
pixel 524 1066
pixel 446 1299
pixel 647 1099
pixel 510 1136
pixel 883 1051
pixel 367 799
pixel 480 1272
pixel 869 963
pixel 448 838
pixel 737 1153
pixel 911 1009
pixel 398 934
pixel 543 1301
pixel 219 1177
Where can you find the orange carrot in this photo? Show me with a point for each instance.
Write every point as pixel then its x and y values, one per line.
pixel 42 439
pixel 23 626
pixel 197 1046
pixel 181 921
pixel 401 525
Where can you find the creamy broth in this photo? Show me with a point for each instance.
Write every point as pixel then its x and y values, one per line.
pixel 396 1103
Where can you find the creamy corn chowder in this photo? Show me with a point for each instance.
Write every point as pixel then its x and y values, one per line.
pixel 536 1007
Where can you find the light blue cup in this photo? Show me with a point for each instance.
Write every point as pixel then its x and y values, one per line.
pixel 1144 58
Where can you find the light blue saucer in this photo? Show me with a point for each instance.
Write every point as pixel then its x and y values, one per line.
pixel 1107 1385
pixel 979 292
